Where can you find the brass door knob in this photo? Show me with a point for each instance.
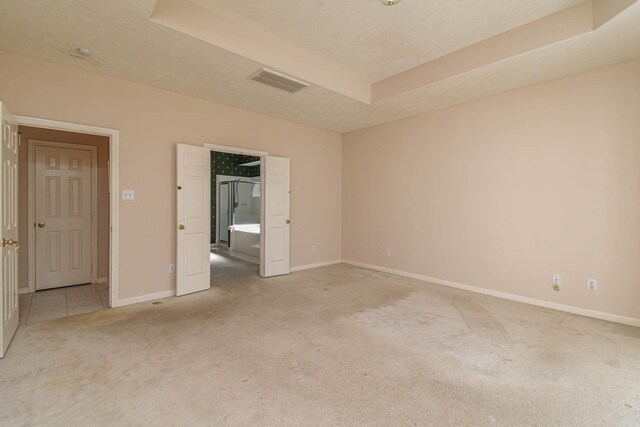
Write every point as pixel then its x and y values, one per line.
pixel 180 227
pixel 288 221
pixel 41 225
pixel 6 242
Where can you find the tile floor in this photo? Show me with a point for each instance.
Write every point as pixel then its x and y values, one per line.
pixel 69 301
pixel 62 302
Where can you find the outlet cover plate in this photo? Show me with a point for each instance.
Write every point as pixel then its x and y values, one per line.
pixel 128 194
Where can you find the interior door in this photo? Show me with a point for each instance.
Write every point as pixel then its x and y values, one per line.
pixel 9 220
pixel 63 217
pixel 194 218
pixel 276 218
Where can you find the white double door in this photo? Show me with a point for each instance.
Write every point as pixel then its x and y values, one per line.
pixel 277 229
pixel 63 216
pixel 194 218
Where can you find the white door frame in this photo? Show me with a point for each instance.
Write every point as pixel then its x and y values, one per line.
pixel 114 175
pixel 31 258
pixel 217 242
pixel 246 152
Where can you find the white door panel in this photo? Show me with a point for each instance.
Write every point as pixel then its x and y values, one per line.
pixel 193 214
pixel 276 218
pixel 63 216
pixel 9 221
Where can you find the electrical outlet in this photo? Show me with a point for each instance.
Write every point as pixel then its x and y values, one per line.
pixel 592 285
pixel 128 195
pixel 387 253
pixel 556 281
pixel 172 269
pixel 314 249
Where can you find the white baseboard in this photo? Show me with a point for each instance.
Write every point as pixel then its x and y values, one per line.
pixel 631 321
pixel 102 280
pixel 167 294
pixel 316 265
pixel 144 298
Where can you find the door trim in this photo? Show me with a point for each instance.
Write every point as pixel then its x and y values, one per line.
pixel 235 150
pixel 114 185
pixel 263 157
pixel 31 258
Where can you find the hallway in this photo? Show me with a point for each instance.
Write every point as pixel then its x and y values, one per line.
pixel 63 302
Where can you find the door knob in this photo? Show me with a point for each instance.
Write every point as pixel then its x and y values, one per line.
pixel 6 242
pixel 288 221
pixel 180 227
pixel 41 225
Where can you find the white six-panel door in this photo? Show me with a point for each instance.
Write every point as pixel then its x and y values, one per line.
pixel 63 217
pixel 9 220
pixel 194 218
pixel 276 216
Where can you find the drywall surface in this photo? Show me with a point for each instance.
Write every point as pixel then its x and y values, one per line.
pixel 151 122
pixel 501 193
pixel 102 144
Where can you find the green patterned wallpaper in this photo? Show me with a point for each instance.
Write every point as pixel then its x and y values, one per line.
pixel 227 164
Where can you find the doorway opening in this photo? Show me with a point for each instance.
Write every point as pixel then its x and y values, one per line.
pixel 194 206
pixel 64 204
pixel 236 214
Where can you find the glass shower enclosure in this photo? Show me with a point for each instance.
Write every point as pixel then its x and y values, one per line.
pixel 239 204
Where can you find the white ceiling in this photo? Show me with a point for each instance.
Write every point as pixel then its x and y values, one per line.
pixel 378 41
pixel 126 44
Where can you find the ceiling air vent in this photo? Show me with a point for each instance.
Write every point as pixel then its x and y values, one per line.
pixel 278 80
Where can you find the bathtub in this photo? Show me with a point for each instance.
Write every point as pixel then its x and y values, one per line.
pixel 245 240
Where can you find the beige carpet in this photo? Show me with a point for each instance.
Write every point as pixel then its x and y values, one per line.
pixel 332 346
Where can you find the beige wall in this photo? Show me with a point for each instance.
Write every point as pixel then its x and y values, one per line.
pixel 498 193
pixel 102 145
pixel 151 122
pixel 502 192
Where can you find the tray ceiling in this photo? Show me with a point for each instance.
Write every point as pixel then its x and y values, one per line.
pixel 342 48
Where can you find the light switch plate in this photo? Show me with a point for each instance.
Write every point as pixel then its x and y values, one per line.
pixel 128 194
